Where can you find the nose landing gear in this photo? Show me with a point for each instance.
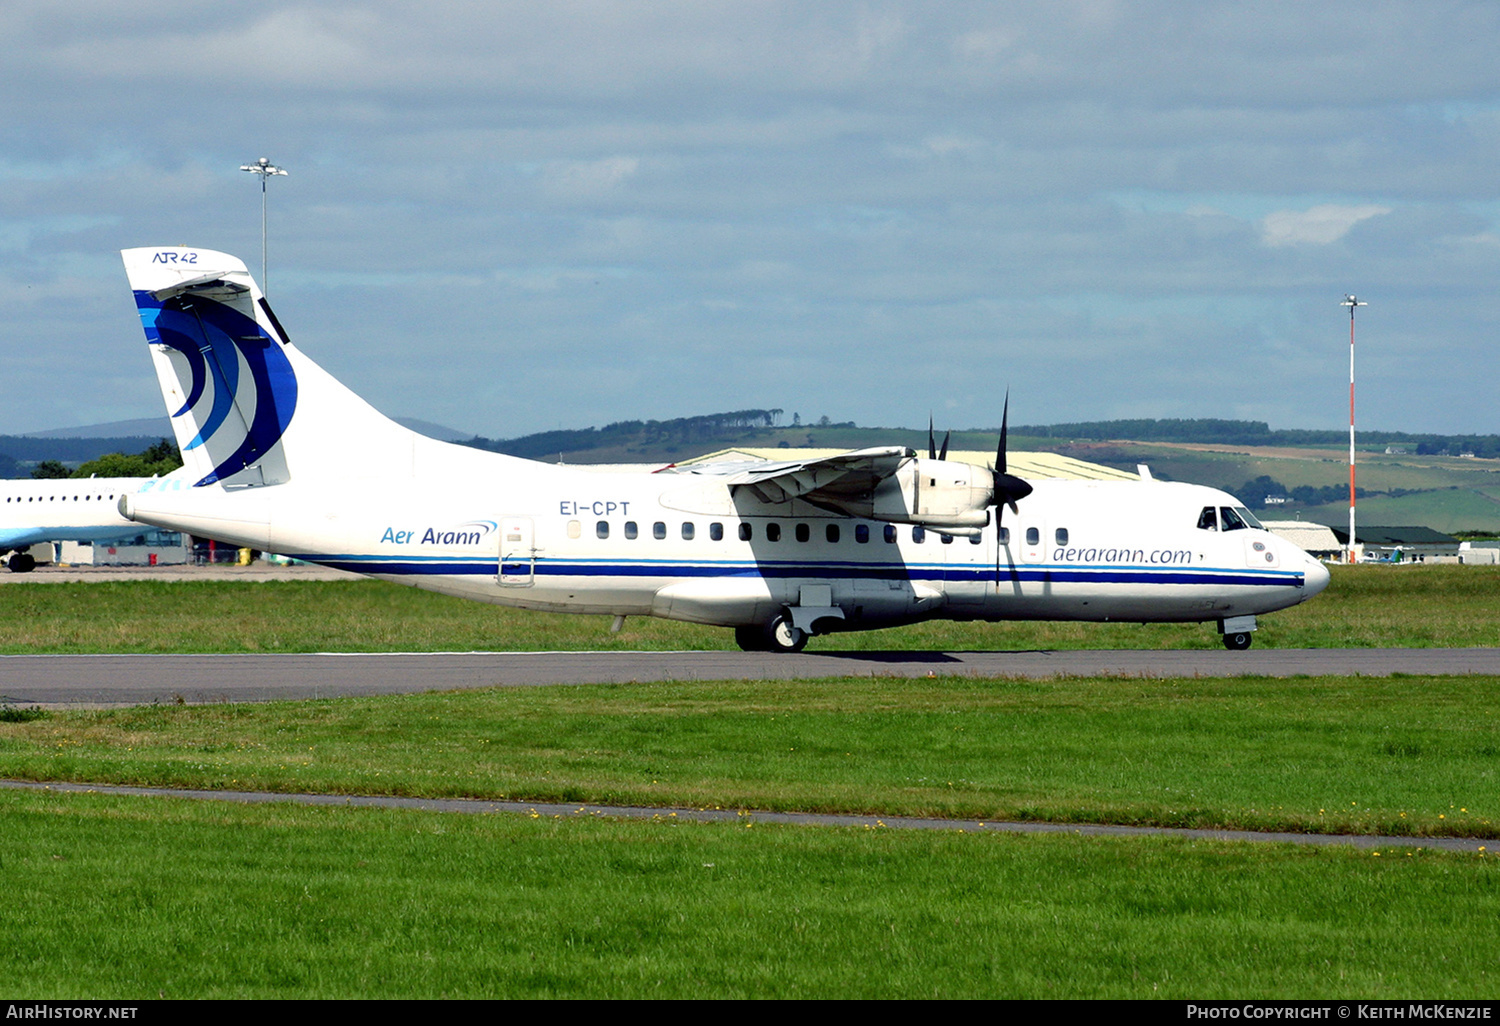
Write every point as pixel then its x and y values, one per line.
pixel 1237 631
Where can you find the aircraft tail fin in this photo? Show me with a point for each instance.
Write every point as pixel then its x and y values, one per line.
pixel 249 409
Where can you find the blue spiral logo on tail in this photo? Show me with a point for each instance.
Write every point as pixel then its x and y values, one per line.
pixel 234 367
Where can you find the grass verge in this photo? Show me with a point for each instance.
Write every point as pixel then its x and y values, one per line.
pixel 1365 606
pixel 1401 755
pixel 146 898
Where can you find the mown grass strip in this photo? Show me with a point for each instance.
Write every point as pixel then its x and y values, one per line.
pixel 145 898
pixel 1419 606
pixel 1400 756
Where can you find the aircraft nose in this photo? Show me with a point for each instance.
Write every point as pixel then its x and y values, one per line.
pixel 1315 578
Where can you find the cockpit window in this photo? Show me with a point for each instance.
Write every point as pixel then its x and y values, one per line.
pixel 1231 519
pixel 1208 520
pixel 1249 518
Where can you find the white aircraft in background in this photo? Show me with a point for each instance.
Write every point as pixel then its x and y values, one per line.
pixel 69 509
pixel 285 459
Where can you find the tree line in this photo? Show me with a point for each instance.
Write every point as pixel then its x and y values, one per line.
pixel 1257 432
pixel 155 461
pixel 1254 493
pixel 625 433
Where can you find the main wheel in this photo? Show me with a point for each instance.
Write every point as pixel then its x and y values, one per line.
pixel 781 635
pixel 750 639
pixel 21 563
pixel 1238 641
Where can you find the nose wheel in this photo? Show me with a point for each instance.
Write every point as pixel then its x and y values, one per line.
pixel 1237 641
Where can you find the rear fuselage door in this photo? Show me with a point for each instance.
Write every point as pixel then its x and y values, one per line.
pixel 517 552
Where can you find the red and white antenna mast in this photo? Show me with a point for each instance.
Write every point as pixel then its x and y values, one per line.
pixel 1352 303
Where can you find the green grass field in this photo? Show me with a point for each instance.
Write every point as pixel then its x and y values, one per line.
pixel 147 898
pixel 1453 494
pixel 1366 606
pixel 1396 755
pixel 1451 509
pixel 114 897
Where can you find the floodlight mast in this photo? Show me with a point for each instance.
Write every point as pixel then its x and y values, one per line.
pixel 265 169
pixel 1352 302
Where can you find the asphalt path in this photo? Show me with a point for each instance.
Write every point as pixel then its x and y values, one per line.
pixel 102 680
pixel 574 810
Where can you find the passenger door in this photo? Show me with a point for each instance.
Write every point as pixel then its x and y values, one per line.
pixel 517 552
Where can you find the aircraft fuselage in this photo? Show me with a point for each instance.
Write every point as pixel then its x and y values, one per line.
pixel 684 547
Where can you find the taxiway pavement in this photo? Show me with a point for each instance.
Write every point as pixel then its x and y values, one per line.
pixel 101 680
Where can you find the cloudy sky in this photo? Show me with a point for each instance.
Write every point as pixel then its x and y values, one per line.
pixel 510 217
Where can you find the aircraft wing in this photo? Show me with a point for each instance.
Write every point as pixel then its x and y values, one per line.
pixel 829 478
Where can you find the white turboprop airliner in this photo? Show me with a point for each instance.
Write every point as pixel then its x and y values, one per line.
pixel 68 509
pixel 285 459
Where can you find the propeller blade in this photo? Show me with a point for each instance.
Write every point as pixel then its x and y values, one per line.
pixel 1004 423
pixel 999 540
pixel 931 440
pixel 944 454
pixel 1008 489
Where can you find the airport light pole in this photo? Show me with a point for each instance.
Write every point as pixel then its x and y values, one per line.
pixel 1352 303
pixel 265 169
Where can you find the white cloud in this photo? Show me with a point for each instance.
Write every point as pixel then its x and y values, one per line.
pixel 1316 226
pixel 583 179
pixel 841 201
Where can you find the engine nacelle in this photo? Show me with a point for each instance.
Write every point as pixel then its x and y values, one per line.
pixel 935 493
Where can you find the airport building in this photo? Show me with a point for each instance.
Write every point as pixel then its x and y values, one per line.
pixel 149 548
pixel 1315 539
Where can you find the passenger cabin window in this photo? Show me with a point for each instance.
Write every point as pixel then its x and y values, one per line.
pixel 831 532
pixel 1004 536
pixel 716 531
pixel 1061 534
pixel 602 528
pixel 862 533
pixel 1033 536
pixel 974 539
pixel 746 532
pixel 1208 520
pixel 947 539
pixel 773 532
pixel 631 531
pixel 658 530
pixel 688 530
pixel 918 535
pixel 803 532
pixel 890 534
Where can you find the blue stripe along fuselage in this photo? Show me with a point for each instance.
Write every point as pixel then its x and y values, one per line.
pixel 1071 574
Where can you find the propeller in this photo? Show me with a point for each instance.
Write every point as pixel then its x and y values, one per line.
pixel 932 449
pixel 1008 489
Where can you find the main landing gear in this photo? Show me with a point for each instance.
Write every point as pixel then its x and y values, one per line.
pixel 21 563
pixel 777 635
pixel 1238 641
